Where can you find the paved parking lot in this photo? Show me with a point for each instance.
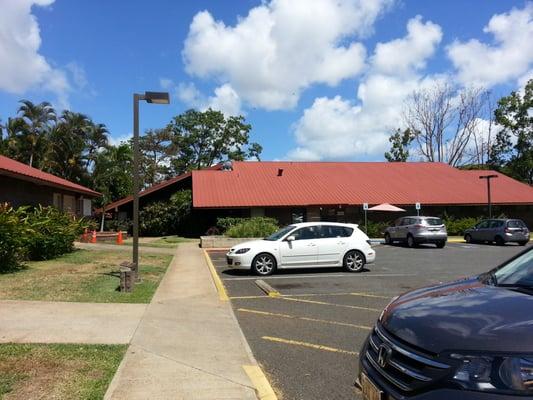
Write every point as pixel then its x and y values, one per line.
pixel 307 339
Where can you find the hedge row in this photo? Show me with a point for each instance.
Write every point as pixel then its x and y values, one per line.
pixel 39 233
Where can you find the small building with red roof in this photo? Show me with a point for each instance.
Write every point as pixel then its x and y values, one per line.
pixel 21 185
pixel 336 191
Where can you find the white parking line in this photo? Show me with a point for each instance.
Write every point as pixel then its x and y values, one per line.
pixel 246 278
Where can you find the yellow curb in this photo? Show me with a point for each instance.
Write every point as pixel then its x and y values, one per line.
pixel 456 241
pixel 265 287
pixel 259 380
pixel 309 345
pixel 222 295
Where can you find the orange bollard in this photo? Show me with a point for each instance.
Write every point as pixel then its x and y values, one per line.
pixel 93 237
pixel 119 238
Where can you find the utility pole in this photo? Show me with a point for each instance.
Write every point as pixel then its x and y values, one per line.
pixel 489 201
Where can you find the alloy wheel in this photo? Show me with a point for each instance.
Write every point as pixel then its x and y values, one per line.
pixel 264 265
pixel 354 261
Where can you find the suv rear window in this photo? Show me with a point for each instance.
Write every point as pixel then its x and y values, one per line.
pixel 433 221
pixel 515 224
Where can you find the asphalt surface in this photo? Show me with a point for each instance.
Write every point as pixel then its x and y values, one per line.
pixel 307 341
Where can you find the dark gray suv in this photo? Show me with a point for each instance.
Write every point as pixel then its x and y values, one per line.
pixel 499 231
pixel 415 230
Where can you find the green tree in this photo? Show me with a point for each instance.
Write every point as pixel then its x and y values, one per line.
pixel 515 116
pixel 112 174
pixel 32 138
pixel 155 148
pixel 203 138
pixel 400 142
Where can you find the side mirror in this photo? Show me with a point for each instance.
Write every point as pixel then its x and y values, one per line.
pixel 290 238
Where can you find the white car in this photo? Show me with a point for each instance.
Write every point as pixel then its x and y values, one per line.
pixel 305 245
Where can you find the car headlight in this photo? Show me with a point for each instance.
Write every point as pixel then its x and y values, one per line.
pixel 243 250
pixel 497 373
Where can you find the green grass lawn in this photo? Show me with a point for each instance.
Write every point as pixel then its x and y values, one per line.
pixel 83 276
pixel 162 242
pixel 57 371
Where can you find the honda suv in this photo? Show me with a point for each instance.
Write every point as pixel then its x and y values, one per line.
pixel 468 339
pixel 415 230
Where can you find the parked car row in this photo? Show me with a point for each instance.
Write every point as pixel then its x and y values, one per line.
pixel 415 230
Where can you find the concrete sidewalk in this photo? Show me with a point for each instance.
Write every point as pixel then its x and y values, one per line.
pixel 188 344
pixel 62 322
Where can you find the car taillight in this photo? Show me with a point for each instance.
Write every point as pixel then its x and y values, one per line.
pixel 507 230
pixel 418 226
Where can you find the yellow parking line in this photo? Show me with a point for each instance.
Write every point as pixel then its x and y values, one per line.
pixel 259 380
pixel 309 345
pixel 222 295
pixel 329 304
pixel 324 321
pixel 361 294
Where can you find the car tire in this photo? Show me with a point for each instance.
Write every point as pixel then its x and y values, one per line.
pixel 499 241
pixel 523 242
pixel 354 261
pixel 264 264
pixel 468 238
pixel 388 240
pixel 441 244
pixel 411 241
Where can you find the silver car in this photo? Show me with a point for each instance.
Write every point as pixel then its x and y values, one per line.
pixel 499 231
pixel 415 230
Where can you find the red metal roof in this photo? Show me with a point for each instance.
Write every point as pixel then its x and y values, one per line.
pixel 151 189
pixel 12 168
pixel 258 184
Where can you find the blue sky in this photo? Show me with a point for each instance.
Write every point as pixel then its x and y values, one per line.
pixel 317 79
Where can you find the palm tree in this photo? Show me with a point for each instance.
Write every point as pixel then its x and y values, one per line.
pixel 37 119
pixel 95 141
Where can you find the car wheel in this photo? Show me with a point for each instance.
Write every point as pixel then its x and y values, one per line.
pixel 263 264
pixel 523 242
pixel 411 241
pixel 499 241
pixel 388 239
pixel 441 244
pixel 468 238
pixel 354 261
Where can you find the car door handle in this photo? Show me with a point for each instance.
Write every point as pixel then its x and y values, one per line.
pixel 341 242
pixel 311 245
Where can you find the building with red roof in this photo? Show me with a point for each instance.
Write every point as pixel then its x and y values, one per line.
pixel 336 191
pixel 21 184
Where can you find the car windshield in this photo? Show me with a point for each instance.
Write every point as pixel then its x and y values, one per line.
pixel 433 221
pixel 518 272
pixel 279 234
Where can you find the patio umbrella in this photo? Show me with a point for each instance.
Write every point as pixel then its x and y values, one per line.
pixel 386 207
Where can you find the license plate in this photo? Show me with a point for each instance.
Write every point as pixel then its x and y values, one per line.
pixel 370 391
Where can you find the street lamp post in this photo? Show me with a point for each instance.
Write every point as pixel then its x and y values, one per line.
pixel 489 202
pixel 149 97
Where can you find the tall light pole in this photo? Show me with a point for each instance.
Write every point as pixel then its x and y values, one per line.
pixel 489 202
pixel 149 97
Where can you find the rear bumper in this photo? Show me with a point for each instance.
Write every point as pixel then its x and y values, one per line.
pixel 430 237
pixel 516 237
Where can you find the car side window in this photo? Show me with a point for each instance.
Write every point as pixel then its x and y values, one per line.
pixel 496 224
pixel 482 225
pixel 309 232
pixel 398 222
pixel 328 231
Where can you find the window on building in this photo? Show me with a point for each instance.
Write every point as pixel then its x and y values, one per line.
pixel 58 201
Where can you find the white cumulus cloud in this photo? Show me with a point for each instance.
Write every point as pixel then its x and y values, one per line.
pixel 508 57
pixel 22 67
pixel 336 128
pixel 282 47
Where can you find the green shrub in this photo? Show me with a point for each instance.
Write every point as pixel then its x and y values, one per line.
pixel 225 223
pixel 253 227
pixel 12 250
pixel 457 227
pixel 375 229
pixel 49 232
pixel 165 217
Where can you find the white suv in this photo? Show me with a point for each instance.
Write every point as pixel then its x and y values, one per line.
pixel 305 245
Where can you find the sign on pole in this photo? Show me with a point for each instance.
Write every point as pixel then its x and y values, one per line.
pixel 417 206
pixel 365 206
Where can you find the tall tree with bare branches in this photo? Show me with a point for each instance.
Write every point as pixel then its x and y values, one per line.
pixel 444 121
